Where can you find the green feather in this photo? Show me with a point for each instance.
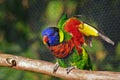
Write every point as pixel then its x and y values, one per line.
pixel 81 61
pixel 61 23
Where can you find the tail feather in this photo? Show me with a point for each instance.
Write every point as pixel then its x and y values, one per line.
pixel 107 39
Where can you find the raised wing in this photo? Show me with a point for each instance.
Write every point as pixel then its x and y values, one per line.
pixel 90 31
pixel 61 23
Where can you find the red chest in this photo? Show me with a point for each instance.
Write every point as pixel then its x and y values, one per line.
pixel 62 50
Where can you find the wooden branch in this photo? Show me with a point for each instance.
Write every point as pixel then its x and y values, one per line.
pixel 22 63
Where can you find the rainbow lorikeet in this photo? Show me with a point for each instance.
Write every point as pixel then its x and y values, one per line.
pixel 66 40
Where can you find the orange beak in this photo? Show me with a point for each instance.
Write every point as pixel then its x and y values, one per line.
pixel 45 39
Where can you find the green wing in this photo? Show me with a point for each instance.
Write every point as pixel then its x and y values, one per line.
pixel 61 23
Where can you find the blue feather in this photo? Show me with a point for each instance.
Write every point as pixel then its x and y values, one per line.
pixel 53 34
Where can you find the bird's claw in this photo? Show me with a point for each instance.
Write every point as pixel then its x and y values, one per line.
pixel 55 67
pixel 69 69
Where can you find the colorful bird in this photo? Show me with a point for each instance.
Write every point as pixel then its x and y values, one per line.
pixel 66 40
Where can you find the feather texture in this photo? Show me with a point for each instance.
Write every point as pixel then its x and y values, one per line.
pixel 62 50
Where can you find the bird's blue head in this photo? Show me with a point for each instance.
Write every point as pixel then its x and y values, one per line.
pixel 52 36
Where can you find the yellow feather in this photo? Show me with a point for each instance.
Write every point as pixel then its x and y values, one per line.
pixel 61 35
pixel 88 30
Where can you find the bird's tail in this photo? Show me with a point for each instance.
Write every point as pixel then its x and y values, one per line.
pixel 107 39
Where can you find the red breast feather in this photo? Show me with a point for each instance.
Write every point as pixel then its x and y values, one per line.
pixel 62 50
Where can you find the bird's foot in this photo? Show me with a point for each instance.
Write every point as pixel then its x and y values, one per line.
pixel 69 69
pixel 55 67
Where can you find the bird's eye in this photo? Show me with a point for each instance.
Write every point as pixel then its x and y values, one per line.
pixel 53 34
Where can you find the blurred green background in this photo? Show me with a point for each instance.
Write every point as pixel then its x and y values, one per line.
pixel 21 23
